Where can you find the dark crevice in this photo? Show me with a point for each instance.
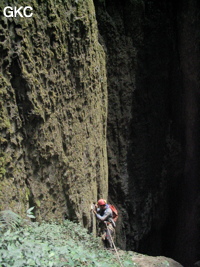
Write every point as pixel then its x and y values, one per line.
pixel 23 93
pixel 162 205
pixel 31 200
pixel 70 214
pixel 21 88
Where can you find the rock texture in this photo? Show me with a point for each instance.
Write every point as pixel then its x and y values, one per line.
pixel 53 111
pixel 145 260
pixel 140 142
pixel 81 103
pixel 153 105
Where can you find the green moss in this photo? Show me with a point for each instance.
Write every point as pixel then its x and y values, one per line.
pixel 4 123
pixel 37 202
pixel 57 56
pixel 5 159
pixel 2 167
pixel 4 118
pixel 27 194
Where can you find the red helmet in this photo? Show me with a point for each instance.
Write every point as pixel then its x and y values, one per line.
pixel 101 202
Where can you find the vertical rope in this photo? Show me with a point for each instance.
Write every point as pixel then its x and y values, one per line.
pixel 114 246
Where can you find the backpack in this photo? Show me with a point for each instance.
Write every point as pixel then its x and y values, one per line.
pixel 114 212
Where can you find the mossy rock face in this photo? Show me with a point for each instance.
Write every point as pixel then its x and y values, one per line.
pixel 54 111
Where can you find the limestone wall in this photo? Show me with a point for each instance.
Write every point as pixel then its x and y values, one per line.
pixel 53 111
